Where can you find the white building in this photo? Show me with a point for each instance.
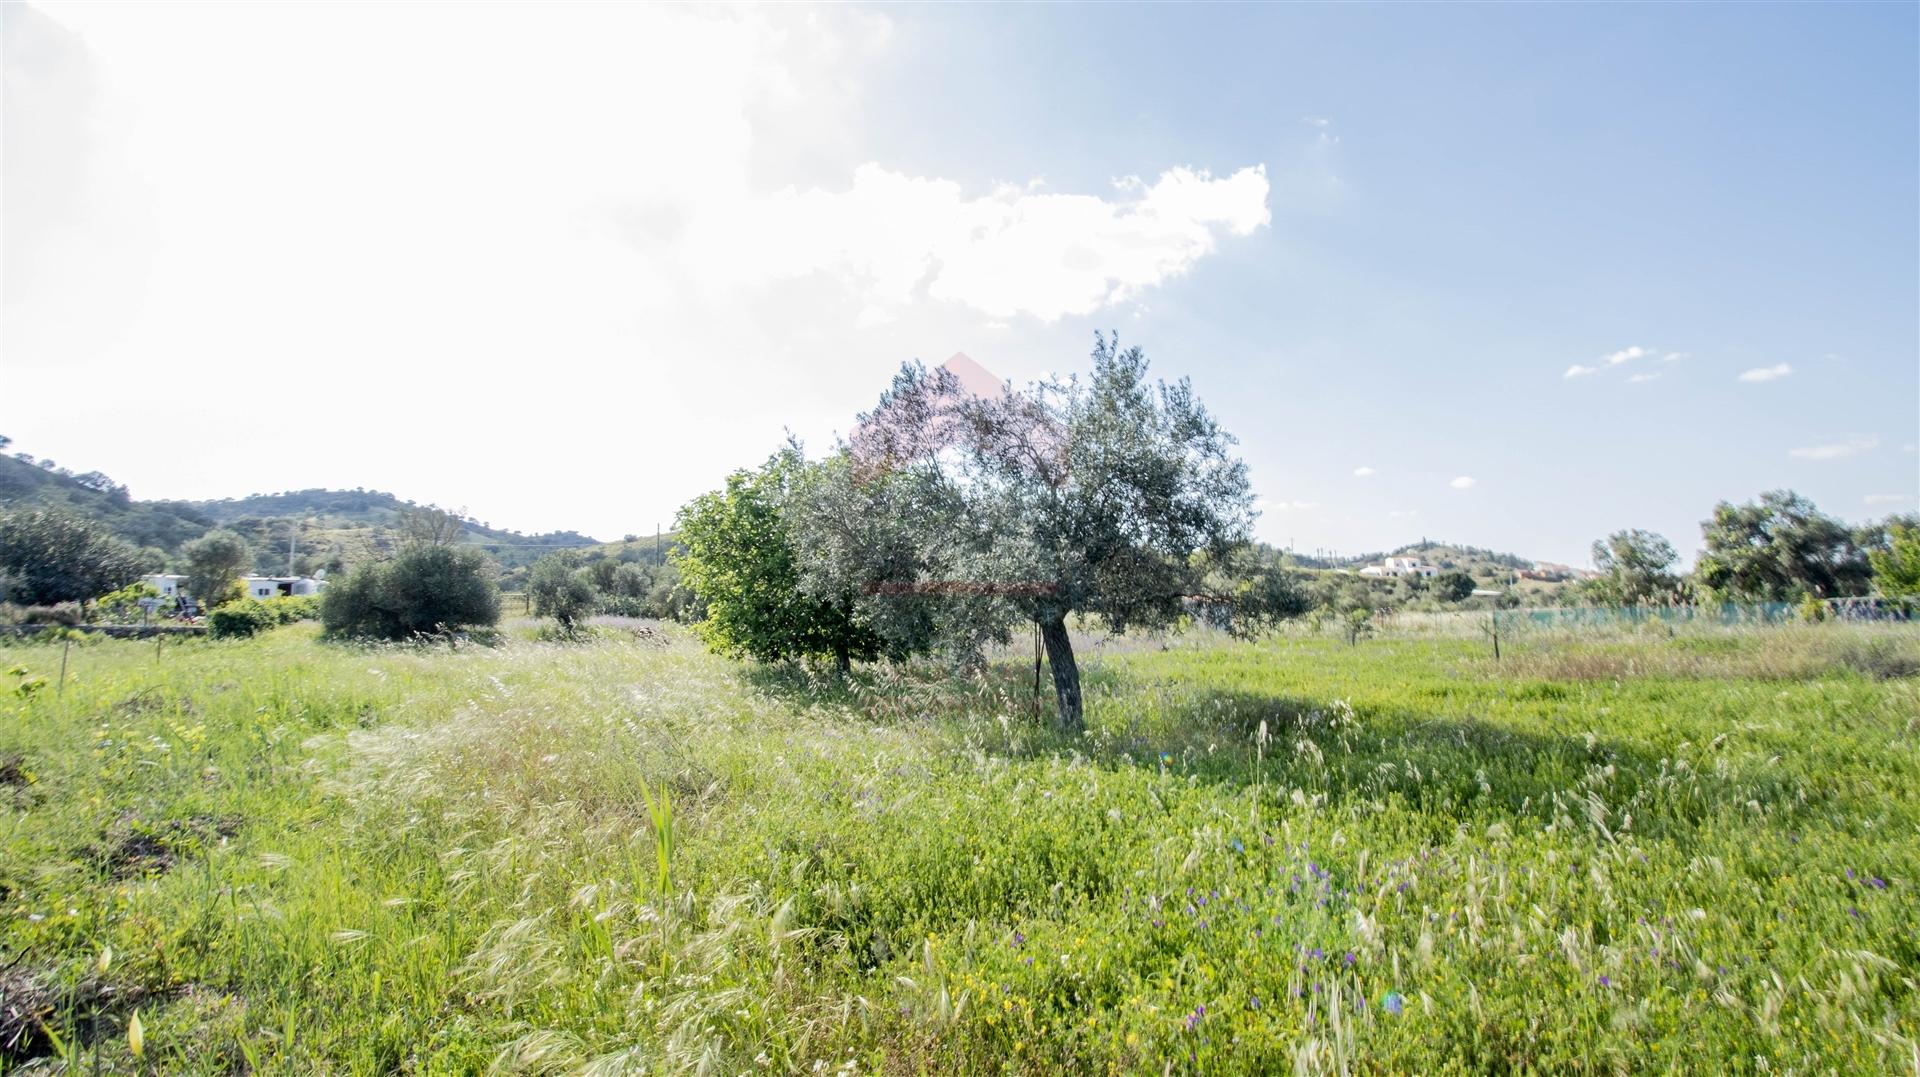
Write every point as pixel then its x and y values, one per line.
pixel 1402 566
pixel 276 586
pixel 169 585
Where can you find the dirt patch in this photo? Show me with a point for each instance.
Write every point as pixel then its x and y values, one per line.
pixel 132 850
pixel 32 1000
pixel 13 772
pixel 27 1000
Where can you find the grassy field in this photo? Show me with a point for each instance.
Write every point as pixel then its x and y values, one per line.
pixel 1623 854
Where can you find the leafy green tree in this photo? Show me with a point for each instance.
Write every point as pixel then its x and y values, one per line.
pixel 1109 498
pixel 1635 570
pixel 1454 586
pixel 859 542
pixel 1780 549
pixel 49 556
pixel 426 590
pixel 736 554
pixel 1896 567
pixel 214 561
pixel 560 591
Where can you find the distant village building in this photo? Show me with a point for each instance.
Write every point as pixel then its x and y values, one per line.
pixel 1402 566
pixel 276 586
pixel 174 585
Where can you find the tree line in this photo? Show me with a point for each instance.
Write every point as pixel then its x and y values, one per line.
pixel 1779 548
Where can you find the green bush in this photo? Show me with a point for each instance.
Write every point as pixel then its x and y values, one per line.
pixel 424 591
pixel 242 618
pixel 122 606
pixel 288 609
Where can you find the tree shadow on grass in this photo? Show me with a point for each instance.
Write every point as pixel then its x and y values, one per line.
pixel 1444 766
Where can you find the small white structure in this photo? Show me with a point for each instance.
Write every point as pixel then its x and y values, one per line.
pixel 169 585
pixel 1402 566
pixel 276 586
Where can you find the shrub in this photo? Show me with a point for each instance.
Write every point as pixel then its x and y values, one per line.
pixel 215 562
pixel 424 591
pixel 123 606
pixel 560 592
pixel 240 619
pixel 49 556
pixel 63 613
pixel 288 609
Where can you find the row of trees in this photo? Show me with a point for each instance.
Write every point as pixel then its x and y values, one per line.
pixel 1780 548
pixel 571 586
pixel 949 520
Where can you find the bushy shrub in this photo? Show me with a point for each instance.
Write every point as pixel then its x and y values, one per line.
pixel 624 606
pixel 123 606
pixel 560 592
pixel 240 619
pixel 288 609
pixel 48 556
pixel 62 613
pixel 424 591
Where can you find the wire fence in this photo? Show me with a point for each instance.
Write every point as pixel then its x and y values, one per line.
pixel 1601 620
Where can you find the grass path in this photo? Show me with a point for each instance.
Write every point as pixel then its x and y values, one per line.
pixel 1696 854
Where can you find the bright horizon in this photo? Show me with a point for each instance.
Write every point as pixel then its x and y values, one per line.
pixel 1513 278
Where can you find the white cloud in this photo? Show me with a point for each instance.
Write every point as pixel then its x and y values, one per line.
pixel 1625 354
pixel 1364 471
pixel 897 239
pixel 1889 499
pixel 1578 371
pixel 667 203
pixel 1674 357
pixel 1401 514
pixel 1643 376
pixel 1464 482
pixel 1853 446
pixel 1767 373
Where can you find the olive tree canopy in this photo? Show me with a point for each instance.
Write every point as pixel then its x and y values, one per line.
pixel 1110 497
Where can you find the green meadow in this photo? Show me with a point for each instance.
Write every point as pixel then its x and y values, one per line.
pixel 1608 852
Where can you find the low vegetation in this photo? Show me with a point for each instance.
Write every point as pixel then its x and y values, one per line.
pixel 1621 851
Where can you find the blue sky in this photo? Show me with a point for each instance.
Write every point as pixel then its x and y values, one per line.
pixel 1455 207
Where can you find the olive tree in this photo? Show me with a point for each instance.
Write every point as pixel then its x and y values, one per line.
pixel 214 561
pixel 49 556
pixel 560 591
pixel 1636 568
pixel 1780 549
pixel 1108 498
pixel 426 590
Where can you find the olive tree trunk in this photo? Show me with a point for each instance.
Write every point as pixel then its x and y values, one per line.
pixel 1070 717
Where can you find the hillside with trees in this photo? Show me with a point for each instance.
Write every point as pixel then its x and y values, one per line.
pixel 326 530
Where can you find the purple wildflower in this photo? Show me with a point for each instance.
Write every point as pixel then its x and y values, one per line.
pixel 1393 1003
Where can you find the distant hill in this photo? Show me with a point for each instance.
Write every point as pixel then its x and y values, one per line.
pixel 1472 560
pixel 325 529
